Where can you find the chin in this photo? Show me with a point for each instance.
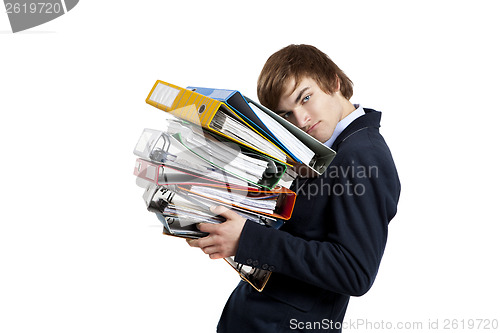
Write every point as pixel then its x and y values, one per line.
pixel 320 139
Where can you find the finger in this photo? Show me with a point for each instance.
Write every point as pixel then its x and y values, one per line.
pixel 192 242
pixel 210 250
pixel 224 212
pixel 207 227
pixel 205 242
pixel 216 255
pixel 200 242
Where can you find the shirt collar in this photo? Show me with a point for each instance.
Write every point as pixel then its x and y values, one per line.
pixel 344 123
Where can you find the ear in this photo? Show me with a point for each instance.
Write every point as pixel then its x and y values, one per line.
pixel 337 88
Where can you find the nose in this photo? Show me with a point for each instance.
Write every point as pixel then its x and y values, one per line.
pixel 302 117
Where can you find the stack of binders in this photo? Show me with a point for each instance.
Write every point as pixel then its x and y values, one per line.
pixel 222 149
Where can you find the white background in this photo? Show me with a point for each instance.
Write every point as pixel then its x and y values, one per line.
pixel 80 253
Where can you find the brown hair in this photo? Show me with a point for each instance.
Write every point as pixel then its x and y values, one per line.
pixel 297 62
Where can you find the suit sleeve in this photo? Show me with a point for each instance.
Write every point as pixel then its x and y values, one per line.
pixel 345 259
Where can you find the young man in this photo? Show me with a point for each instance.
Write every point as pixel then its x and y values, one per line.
pixel 332 246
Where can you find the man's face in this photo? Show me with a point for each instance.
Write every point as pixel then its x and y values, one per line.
pixel 310 108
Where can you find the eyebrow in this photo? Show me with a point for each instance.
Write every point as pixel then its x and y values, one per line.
pixel 299 97
pixel 281 112
pixel 297 100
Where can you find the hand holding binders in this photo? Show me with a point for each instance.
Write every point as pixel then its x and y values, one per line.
pixel 179 221
pixel 237 163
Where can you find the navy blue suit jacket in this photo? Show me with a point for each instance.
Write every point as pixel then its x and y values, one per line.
pixel 332 246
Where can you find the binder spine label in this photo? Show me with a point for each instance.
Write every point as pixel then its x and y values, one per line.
pixel 164 95
pixel 151 172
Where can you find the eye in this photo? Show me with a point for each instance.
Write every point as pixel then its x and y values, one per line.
pixel 286 114
pixel 306 98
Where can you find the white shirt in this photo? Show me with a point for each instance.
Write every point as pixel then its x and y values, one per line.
pixel 344 123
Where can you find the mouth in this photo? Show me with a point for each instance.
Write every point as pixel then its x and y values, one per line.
pixel 312 127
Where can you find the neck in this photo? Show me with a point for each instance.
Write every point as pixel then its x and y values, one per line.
pixel 347 108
